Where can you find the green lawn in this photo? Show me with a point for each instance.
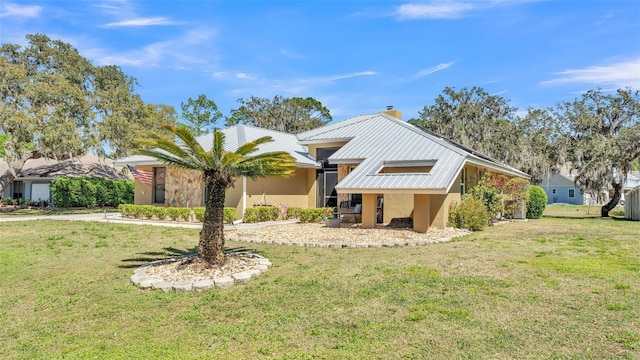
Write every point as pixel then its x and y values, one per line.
pixel 8 212
pixel 579 211
pixel 549 288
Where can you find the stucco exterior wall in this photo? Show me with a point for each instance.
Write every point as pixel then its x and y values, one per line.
pixel 143 193
pixel 397 206
pixel 293 191
pixel 183 188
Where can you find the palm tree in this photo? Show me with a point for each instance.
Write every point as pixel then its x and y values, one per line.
pixel 219 168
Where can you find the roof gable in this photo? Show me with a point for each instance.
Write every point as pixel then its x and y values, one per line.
pixel 376 139
pixel 240 134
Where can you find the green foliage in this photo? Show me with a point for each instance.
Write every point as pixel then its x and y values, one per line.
pixel 293 212
pixel 91 192
pixel 537 202
pixel 291 115
pixel 315 214
pixel 261 213
pixel 170 213
pixel 470 214
pixel 476 119
pixel 515 190
pixel 488 196
pixel 3 139
pixel 200 114
pixel 230 214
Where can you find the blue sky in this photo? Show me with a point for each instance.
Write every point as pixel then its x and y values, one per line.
pixel 356 57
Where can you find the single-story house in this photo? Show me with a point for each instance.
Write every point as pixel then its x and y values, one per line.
pixel 395 169
pixel 179 187
pixel 561 189
pixel 390 168
pixel 34 180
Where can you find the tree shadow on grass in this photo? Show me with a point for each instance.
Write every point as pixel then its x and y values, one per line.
pixel 149 256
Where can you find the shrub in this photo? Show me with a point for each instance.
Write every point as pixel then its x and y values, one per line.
pixel 261 213
pixel 91 192
pixel 315 214
pixel 147 211
pixel 469 214
pixel 160 212
pixel 537 202
pixel 515 190
pixel 293 212
pixel 173 213
pixel 488 197
pixel 230 215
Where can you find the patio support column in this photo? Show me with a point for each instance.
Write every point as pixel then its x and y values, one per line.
pixel 369 210
pixel 421 213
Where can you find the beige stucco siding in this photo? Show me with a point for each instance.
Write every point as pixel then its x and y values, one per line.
pixel 293 190
pixel 143 193
pixel 397 206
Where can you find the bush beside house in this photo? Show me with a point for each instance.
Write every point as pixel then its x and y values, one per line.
pixel 536 203
pixel 252 215
pixel 91 192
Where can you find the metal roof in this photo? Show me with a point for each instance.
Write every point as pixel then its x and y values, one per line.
pixel 379 138
pixel 240 134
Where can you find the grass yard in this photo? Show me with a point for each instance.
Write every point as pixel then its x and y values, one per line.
pixel 549 288
pixel 579 211
pixel 15 212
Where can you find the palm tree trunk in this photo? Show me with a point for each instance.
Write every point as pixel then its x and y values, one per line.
pixel 211 246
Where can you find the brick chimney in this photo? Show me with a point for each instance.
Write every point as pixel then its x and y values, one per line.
pixel 395 113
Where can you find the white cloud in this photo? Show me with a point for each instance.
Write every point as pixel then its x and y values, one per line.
pixel 343 77
pixel 244 76
pixel 623 74
pixel 433 10
pixel 449 9
pixel 142 21
pixel 433 69
pixel 15 10
pixel 173 53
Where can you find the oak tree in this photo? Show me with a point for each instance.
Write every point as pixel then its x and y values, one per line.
pixel 290 115
pixel 55 103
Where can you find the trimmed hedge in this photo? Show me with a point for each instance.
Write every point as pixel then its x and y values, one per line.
pixel 537 202
pixel 315 214
pixel 171 213
pixel 91 192
pixel 251 215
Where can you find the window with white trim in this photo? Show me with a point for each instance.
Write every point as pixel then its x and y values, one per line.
pixel 463 176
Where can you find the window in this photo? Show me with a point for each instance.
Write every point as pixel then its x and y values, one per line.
pixel 572 193
pixel 158 185
pixel 17 189
pixel 463 175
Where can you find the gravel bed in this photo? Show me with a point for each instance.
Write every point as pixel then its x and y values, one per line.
pixel 348 235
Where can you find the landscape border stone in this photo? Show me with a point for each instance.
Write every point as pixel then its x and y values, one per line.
pixel 139 278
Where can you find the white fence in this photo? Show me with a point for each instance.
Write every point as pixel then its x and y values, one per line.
pixel 632 204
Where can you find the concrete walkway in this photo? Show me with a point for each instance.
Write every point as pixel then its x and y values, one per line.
pixel 116 218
